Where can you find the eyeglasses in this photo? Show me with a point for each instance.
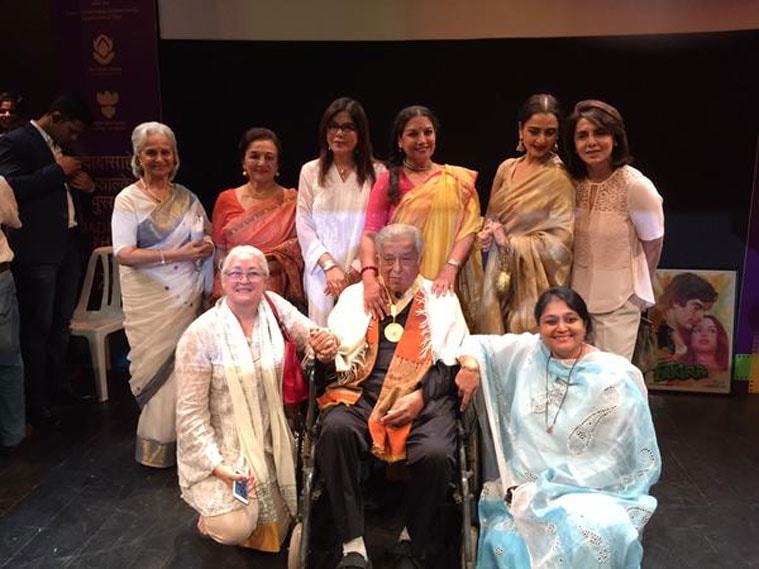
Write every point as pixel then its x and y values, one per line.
pixel 404 260
pixel 346 127
pixel 236 275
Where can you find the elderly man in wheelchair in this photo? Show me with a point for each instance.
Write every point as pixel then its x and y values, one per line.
pixel 391 392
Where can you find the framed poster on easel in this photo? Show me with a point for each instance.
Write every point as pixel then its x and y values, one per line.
pixel 693 319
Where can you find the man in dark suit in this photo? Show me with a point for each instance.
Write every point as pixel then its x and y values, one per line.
pixel 46 266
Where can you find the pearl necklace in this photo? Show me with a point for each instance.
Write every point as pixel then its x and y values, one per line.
pixel 568 382
pixel 152 194
pixel 415 168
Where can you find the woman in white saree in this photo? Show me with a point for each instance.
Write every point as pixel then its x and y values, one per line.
pixel 160 235
pixel 231 424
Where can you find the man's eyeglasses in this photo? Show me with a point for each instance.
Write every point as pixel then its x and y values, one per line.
pixel 404 260
pixel 346 127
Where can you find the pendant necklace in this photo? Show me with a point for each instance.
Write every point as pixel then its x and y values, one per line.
pixel 344 171
pixel 550 426
pixel 394 330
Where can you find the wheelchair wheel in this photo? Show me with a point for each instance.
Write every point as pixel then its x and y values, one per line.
pixel 469 549
pixel 294 560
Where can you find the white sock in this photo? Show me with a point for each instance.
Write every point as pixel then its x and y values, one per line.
pixel 355 545
pixel 404 535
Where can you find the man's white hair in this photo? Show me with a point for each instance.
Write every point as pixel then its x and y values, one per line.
pixel 396 231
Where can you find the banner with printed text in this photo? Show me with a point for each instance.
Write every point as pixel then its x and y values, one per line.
pixel 107 52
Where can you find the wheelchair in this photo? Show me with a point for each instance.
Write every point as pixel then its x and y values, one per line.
pixel 464 489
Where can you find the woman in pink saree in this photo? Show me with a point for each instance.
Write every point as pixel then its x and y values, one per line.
pixel 261 213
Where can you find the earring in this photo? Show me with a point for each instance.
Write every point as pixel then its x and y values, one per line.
pixel 556 146
pixel 244 174
pixel 520 146
pixel 276 175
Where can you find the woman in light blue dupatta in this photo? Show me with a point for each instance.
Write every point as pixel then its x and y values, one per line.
pixel 161 239
pixel 573 442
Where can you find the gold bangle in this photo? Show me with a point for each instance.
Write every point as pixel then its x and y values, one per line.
pixel 163 257
pixel 454 263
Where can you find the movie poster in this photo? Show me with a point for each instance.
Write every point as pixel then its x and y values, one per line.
pixel 693 319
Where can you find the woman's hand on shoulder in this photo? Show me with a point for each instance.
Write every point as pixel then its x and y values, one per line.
pixel 445 281
pixel 375 297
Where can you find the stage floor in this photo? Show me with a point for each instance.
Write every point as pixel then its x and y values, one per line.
pixel 75 498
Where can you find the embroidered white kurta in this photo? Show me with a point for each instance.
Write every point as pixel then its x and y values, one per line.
pixel 581 497
pixel 206 428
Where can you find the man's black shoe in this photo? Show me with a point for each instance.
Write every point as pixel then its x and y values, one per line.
pixel 402 558
pixel 68 396
pixel 43 418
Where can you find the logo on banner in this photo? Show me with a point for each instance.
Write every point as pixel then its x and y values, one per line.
pixel 102 49
pixel 107 101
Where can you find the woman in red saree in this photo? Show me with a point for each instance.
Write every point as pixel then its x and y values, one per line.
pixel 261 213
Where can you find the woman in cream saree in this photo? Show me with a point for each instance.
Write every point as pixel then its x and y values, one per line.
pixel 160 238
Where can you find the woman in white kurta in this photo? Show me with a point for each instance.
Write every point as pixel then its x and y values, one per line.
pixel 161 239
pixel 574 443
pixel 231 423
pixel 332 196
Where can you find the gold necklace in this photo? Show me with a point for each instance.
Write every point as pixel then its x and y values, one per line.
pixel 258 194
pixel 415 168
pixel 568 382
pixel 150 192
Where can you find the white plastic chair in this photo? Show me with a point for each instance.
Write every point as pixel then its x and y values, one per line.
pixel 96 325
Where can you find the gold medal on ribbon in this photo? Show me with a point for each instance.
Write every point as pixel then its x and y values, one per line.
pixel 393 331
